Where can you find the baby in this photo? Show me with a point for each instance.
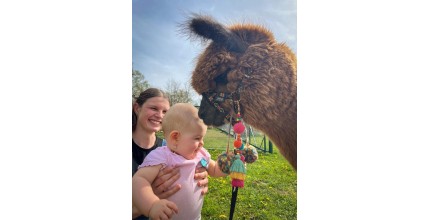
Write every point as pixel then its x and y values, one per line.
pixel 184 132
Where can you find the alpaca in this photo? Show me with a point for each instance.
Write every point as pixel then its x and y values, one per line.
pixel 244 67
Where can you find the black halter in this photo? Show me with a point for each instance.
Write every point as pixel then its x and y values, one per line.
pixel 217 98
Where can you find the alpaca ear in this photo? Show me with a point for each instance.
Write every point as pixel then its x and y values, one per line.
pixel 208 28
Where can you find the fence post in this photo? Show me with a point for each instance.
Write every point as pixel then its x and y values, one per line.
pixel 264 140
pixel 270 147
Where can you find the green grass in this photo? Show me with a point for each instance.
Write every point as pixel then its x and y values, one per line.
pixel 270 190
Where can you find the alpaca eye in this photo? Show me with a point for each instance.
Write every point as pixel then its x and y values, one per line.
pixel 222 78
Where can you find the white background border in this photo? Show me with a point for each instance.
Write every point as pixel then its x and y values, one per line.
pixel 363 110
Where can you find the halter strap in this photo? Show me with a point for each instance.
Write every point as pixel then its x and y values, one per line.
pixel 216 99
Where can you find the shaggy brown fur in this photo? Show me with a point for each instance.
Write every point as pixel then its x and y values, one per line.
pixel 246 59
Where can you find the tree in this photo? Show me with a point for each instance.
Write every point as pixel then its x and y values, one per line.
pixel 139 83
pixel 178 94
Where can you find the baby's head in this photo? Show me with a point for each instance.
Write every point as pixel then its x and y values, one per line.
pixel 184 130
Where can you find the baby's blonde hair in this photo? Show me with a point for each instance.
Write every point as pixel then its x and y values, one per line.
pixel 181 117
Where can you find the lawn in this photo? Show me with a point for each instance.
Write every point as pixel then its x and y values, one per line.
pixel 270 190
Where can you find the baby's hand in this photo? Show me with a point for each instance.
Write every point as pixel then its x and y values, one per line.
pixel 162 209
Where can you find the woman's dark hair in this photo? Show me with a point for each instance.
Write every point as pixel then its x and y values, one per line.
pixel 142 98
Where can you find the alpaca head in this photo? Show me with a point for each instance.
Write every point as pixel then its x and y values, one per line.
pixel 228 64
pixel 244 68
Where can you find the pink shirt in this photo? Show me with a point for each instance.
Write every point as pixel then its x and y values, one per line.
pixel 188 199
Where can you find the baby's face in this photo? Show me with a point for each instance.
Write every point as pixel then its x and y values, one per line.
pixel 191 141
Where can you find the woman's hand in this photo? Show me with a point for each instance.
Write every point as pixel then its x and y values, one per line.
pixel 163 182
pixel 202 177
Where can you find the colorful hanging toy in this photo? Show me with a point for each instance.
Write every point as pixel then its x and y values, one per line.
pixel 237 172
pixel 233 163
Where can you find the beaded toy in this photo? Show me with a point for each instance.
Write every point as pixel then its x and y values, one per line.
pixel 233 163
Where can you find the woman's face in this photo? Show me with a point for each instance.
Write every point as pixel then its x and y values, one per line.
pixel 150 114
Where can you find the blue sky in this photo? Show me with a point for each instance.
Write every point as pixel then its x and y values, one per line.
pixel 162 54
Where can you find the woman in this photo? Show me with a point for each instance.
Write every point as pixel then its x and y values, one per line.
pixel 148 111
